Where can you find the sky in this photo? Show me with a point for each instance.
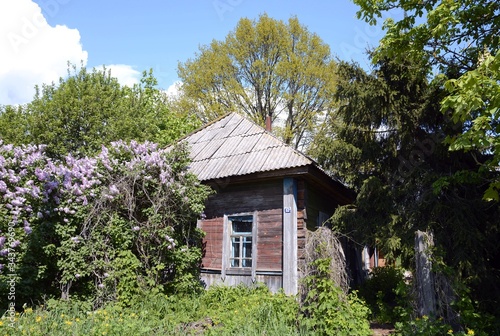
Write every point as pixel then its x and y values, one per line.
pixel 39 37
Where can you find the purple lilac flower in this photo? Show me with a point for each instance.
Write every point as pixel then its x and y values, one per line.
pixel 3 186
pixel 40 174
pixel 4 252
pixel 15 243
pixel 106 275
pixel 17 201
pixel 75 239
pixel 28 229
pixel 77 275
pixel 100 285
pixel 2 241
pixel 136 228
pixel 113 190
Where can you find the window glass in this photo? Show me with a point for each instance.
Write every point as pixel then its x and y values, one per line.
pixel 242 226
pixel 241 241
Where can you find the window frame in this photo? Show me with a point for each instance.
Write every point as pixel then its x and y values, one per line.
pixel 227 247
pixel 241 236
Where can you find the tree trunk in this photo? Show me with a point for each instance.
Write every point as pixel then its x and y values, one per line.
pixel 424 278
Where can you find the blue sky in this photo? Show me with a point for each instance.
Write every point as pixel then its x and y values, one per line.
pixel 130 36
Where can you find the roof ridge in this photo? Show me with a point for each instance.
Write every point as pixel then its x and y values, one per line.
pixel 205 126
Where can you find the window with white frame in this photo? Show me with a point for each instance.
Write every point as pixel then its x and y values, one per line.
pixel 241 228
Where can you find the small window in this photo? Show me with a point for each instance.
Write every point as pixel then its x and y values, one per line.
pixel 323 220
pixel 241 241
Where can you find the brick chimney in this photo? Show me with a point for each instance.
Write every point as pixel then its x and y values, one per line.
pixel 268 123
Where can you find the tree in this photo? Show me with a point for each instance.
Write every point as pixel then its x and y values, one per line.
pixel 386 140
pixel 461 39
pixel 13 125
pixel 263 68
pixel 474 100
pixel 449 34
pixel 88 109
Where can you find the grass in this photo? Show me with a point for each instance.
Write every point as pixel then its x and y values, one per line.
pixel 219 311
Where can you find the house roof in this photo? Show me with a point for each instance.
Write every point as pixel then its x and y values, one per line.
pixel 235 146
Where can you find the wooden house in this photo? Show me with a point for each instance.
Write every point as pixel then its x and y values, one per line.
pixel 268 195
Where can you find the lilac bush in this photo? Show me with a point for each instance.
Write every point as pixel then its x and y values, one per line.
pixel 107 226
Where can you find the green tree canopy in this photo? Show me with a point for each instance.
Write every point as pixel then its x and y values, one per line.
pixel 90 108
pixel 386 140
pixel 461 39
pixel 264 67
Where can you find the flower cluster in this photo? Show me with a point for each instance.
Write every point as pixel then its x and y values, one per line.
pixel 131 194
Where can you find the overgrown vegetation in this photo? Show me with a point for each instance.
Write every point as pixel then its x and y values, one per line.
pixel 386 294
pixel 105 228
pixel 111 229
pixel 326 306
pixel 219 311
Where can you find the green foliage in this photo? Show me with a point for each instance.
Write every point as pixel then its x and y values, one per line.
pixel 386 294
pixel 264 67
pixel 218 311
pixel 475 101
pixel 447 33
pixel 424 326
pixel 88 109
pixel 391 126
pixel 326 310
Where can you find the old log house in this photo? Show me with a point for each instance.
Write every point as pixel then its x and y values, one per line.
pixel 268 195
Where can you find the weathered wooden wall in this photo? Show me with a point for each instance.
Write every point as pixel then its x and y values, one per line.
pixel 212 243
pixel 273 282
pixel 301 221
pixel 317 201
pixel 266 198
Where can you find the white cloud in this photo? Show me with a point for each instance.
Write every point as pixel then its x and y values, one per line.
pixel 125 74
pixel 32 51
pixel 173 90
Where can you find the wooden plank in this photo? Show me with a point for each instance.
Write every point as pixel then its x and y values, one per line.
pixel 290 272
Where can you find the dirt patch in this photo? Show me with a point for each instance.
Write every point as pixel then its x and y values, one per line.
pixel 381 329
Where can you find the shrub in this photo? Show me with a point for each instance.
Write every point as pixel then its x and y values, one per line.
pixel 386 293
pixel 326 310
pixel 103 228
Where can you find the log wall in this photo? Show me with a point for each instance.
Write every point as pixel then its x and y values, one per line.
pixel 266 198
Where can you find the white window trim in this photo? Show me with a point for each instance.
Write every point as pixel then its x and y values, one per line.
pixel 226 244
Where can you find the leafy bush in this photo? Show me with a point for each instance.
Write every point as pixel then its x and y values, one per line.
pixel 426 326
pixel 386 293
pixel 326 310
pixel 103 228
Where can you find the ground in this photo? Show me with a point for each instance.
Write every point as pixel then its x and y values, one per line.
pixel 381 329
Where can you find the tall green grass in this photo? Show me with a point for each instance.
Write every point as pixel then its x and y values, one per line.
pixel 218 311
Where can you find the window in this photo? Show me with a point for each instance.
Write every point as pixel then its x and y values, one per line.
pixel 239 245
pixel 241 241
pixel 323 220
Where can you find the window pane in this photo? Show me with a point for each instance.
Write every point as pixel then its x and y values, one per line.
pixel 247 247
pixel 235 263
pixel 242 227
pixel 235 250
pixel 247 262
